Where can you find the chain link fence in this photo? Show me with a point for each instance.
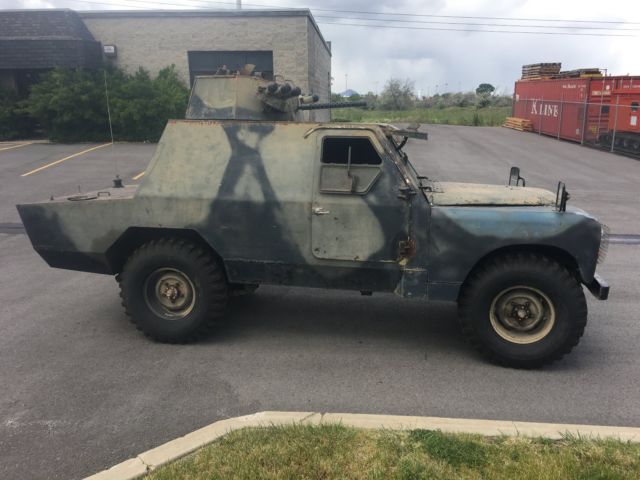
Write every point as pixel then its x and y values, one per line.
pixel 611 124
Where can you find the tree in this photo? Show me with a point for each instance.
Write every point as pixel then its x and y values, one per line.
pixel 371 99
pixel 483 93
pixel 397 95
pixel 485 89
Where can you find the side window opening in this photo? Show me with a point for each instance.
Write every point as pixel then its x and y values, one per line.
pixel 605 109
pixel 335 150
pixel 634 106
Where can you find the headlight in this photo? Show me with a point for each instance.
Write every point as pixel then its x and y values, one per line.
pixel 604 243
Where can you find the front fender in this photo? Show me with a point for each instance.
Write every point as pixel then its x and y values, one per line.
pixel 461 236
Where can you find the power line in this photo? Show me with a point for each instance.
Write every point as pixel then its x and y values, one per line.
pixel 153 2
pixel 471 17
pixel 477 30
pixel 620 22
pixel 479 24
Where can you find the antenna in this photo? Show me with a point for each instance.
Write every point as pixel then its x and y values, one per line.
pixel 117 182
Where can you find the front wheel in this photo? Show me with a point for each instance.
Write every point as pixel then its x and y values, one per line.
pixel 523 310
pixel 173 290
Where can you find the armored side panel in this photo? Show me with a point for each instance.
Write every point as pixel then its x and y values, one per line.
pixel 246 189
pixel 226 97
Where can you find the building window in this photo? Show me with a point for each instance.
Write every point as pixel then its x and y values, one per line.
pixel 634 106
pixel 207 62
pixel 335 150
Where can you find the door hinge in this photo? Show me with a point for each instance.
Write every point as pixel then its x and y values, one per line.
pixel 406 192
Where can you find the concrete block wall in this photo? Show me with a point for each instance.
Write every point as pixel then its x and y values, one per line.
pixel 319 70
pixel 155 41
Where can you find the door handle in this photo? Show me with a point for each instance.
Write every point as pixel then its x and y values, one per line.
pixel 320 211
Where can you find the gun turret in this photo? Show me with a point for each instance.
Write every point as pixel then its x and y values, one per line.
pixel 247 97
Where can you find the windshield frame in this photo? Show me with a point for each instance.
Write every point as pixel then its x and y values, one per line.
pixel 416 178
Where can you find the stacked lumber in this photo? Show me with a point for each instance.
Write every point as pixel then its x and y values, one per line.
pixel 580 72
pixel 521 124
pixel 540 70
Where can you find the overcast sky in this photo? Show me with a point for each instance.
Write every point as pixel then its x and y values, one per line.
pixel 452 60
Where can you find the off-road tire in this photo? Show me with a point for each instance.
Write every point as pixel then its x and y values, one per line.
pixel 203 273
pixel 535 271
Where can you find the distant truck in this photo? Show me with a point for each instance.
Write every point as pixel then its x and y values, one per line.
pixel 234 198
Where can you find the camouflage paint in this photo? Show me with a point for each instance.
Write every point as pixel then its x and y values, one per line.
pixel 249 189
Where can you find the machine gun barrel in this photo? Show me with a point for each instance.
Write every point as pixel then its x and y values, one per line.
pixel 321 106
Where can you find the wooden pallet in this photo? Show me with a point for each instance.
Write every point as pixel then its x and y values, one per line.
pixel 540 70
pixel 520 124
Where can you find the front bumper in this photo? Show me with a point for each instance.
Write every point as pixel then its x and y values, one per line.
pixel 598 287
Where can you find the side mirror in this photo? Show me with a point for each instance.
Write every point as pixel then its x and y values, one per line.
pixel 515 178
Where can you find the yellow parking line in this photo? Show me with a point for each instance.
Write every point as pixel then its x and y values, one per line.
pixel 139 175
pixel 63 159
pixel 16 146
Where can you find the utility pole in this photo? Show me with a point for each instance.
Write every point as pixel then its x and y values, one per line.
pixel 345 82
pixel 239 4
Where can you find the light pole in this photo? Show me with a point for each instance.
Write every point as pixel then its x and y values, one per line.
pixel 345 82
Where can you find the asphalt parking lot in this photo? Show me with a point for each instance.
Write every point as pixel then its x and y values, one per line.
pixel 82 389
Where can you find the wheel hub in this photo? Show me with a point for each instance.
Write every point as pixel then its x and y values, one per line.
pixel 522 314
pixel 169 293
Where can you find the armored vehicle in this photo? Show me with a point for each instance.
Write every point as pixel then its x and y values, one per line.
pixel 246 191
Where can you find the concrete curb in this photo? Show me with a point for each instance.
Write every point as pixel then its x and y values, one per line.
pixel 179 447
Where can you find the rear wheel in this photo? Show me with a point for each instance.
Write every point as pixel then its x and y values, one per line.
pixel 523 310
pixel 173 290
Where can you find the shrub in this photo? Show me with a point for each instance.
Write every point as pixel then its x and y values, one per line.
pixel 141 106
pixel 14 122
pixel 71 104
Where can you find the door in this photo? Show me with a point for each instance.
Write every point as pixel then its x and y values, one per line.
pixel 357 213
pixel 634 125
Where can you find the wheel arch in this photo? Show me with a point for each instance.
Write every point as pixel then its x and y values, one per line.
pixel 135 237
pixel 560 255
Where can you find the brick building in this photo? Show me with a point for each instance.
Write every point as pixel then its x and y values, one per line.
pixel 283 42
pixel 34 41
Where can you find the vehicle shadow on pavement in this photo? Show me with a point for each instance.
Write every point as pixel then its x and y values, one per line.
pixel 345 316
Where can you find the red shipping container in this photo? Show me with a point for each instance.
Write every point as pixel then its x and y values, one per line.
pixel 557 106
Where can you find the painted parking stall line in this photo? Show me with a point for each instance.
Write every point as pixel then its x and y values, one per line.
pixel 36 170
pixel 15 146
pixel 624 239
pixel 139 176
pixel 12 228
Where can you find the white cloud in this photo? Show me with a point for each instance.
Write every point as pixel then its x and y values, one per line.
pixel 370 56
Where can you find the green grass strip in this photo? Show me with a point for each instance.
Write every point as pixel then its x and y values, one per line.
pixel 472 116
pixel 338 452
